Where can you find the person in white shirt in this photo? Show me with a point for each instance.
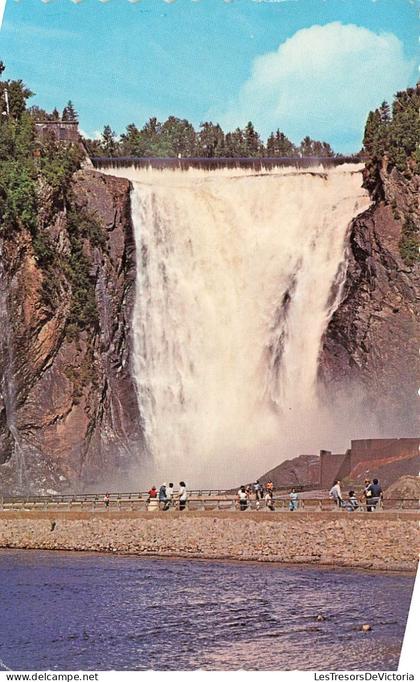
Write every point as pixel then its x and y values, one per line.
pixel 182 495
pixel 242 498
pixel 169 495
pixel 335 493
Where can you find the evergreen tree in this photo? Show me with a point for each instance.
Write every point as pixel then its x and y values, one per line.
pixel 306 147
pixel 210 140
pixel 152 128
pixel 38 113
pixel 177 137
pixel 69 112
pixel 108 141
pixel 371 132
pixel 404 131
pixel 391 142
pixel 385 112
pixel 151 138
pixel 327 150
pixel 310 147
pixel 235 144
pixel 279 145
pixel 271 145
pixel 131 142
pixel 253 146
pixel 94 147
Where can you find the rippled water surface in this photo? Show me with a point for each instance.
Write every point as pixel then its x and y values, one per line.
pixel 65 611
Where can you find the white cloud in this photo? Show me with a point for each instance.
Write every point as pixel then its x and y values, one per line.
pixel 321 82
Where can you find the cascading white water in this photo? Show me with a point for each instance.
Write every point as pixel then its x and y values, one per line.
pixel 237 275
pixel 7 383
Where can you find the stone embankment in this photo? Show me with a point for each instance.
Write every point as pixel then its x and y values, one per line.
pixel 378 541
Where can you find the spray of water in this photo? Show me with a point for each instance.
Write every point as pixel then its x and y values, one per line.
pixel 238 274
pixel 8 383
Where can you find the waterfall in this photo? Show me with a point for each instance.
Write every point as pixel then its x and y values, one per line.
pixel 238 273
pixel 7 383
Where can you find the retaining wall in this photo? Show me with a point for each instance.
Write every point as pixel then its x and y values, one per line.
pixel 378 541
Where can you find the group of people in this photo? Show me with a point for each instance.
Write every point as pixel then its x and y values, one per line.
pixel 263 494
pixel 370 497
pixel 167 498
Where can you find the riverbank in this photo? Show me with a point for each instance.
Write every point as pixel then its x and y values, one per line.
pixel 385 541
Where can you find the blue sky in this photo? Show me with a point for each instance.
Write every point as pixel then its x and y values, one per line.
pixel 306 66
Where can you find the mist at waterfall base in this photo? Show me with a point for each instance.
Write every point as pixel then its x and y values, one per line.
pixel 238 274
pixel 7 380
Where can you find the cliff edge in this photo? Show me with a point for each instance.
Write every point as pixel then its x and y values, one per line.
pixel 68 409
pixel 371 346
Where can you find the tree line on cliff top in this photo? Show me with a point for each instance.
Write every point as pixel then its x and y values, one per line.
pixel 392 134
pixel 178 137
pixel 390 138
pixel 35 186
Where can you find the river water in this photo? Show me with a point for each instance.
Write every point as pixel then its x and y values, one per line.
pixel 67 611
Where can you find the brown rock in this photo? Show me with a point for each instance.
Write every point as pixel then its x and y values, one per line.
pixel 371 344
pixel 75 407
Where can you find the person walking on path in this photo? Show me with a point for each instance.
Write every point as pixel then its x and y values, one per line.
pixel 182 496
pixel 258 490
pixel 294 500
pixel 376 494
pixel 336 495
pixel 106 500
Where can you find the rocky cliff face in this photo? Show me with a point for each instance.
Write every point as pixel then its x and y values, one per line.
pixel 68 409
pixel 372 342
pixel 303 470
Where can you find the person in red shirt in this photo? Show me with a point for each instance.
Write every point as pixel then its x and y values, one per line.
pixel 152 492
